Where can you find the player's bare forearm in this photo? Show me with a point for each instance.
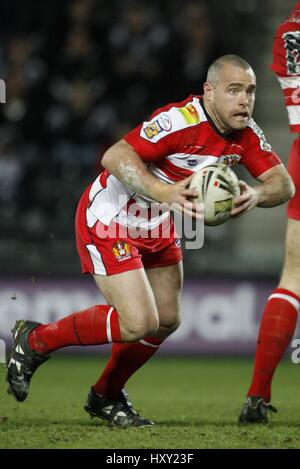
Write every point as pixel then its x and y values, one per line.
pixel 125 164
pixel 276 188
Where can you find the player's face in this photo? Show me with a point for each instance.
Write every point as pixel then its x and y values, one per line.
pixel 232 97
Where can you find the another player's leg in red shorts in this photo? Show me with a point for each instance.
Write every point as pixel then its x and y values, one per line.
pixel 279 319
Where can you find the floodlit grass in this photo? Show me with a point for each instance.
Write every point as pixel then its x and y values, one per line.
pixel 194 402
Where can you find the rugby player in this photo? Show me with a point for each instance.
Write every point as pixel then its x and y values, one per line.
pixel 279 318
pixel 141 278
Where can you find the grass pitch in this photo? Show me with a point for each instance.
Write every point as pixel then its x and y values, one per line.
pixel 194 402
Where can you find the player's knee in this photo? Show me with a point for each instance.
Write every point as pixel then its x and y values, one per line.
pixel 152 327
pixel 133 332
pixel 138 329
pixel 167 329
pixel 175 325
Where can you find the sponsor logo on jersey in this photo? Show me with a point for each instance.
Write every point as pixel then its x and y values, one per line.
pixel 121 250
pixel 192 162
pixel 190 114
pixel 229 160
pixel 165 122
pixel 162 123
pixel 178 242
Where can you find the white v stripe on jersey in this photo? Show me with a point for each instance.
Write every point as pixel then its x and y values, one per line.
pixel 199 161
pixel 160 174
pixel 182 161
pixel 288 298
pixel 108 326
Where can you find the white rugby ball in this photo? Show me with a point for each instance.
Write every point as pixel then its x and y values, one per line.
pixel 217 185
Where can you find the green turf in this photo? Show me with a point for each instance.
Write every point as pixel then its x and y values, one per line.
pixel 194 402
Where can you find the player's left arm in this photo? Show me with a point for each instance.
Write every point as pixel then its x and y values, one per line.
pixel 276 188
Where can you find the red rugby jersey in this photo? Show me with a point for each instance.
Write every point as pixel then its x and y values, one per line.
pixel 179 139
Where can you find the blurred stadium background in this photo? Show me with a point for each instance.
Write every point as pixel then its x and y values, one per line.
pixel 78 75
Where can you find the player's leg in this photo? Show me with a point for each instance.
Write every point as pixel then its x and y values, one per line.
pixel 166 284
pixel 130 293
pixel 279 317
pixel 127 317
pixel 131 316
pixel 290 278
pixel 126 359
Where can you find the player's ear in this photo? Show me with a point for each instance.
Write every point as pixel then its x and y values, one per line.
pixel 208 91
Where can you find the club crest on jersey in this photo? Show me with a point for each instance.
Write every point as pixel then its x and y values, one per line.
pixel 121 250
pixel 162 123
pixel 190 114
pixel 229 160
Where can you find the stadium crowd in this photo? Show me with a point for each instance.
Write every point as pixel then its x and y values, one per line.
pixel 79 74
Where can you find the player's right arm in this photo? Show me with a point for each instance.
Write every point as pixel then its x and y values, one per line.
pixel 125 164
pixel 276 186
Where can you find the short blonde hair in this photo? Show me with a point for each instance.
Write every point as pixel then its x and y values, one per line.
pixel 214 68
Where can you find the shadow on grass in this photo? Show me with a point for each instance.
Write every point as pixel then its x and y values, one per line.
pixel 42 422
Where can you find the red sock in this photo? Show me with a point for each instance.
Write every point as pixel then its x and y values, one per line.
pixel 125 360
pixel 94 325
pixel 277 328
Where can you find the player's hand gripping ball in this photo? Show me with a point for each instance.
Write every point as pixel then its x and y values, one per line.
pixel 217 186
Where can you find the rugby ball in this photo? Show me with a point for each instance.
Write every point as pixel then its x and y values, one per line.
pixel 217 185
